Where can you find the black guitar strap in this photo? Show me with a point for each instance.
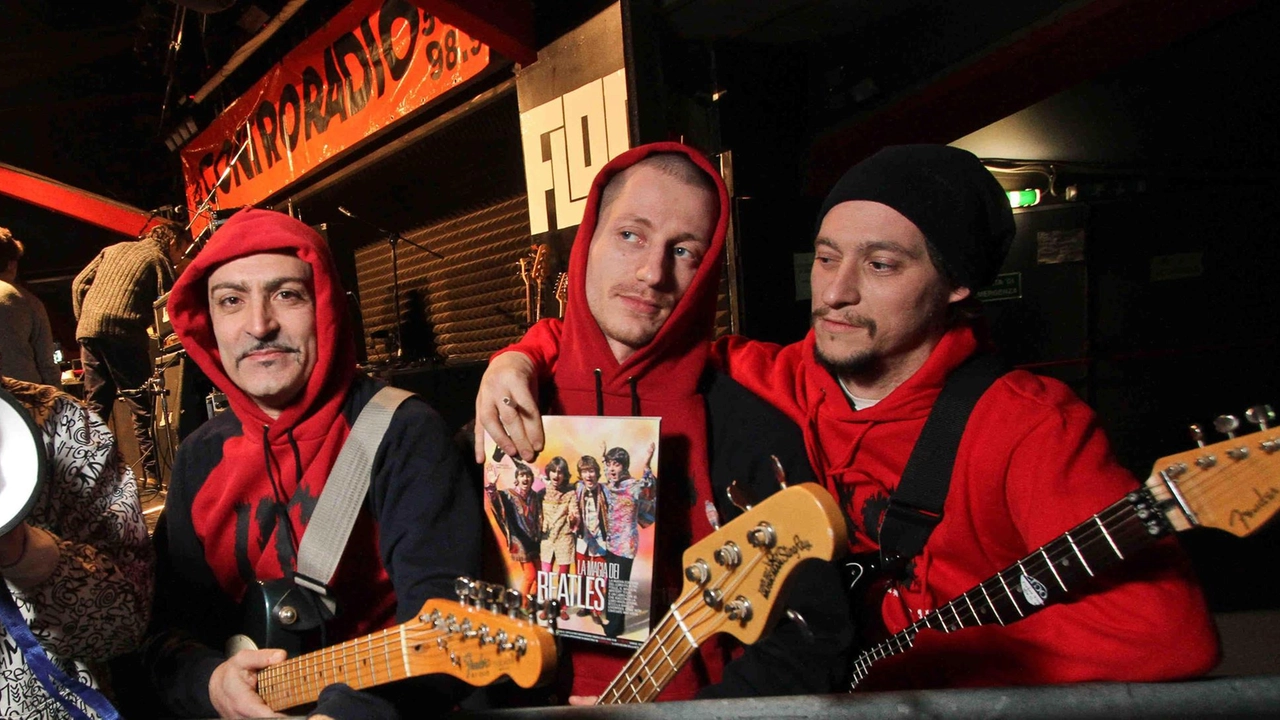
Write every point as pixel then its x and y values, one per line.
pixel 915 508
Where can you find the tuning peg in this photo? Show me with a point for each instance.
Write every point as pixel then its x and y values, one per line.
pixel 511 600
pixel 739 609
pixel 1260 415
pixel 1197 435
pixel 779 472
pixel 713 516
pixel 462 587
pixel 1226 424
pixel 739 497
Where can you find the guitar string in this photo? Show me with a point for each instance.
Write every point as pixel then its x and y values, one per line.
pixel 1220 483
pixel 303 669
pixel 627 680
pixel 1091 535
pixel 1088 535
pixel 729 584
pixel 684 649
pixel 905 639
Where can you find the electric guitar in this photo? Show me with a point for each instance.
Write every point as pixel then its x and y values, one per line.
pixel 735 578
pixel 562 292
pixel 1231 485
pixel 540 271
pixel 469 641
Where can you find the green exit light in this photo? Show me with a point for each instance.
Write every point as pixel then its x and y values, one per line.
pixel 1023 198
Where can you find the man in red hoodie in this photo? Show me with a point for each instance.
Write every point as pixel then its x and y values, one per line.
pixel 643 279
pixel 260 310
pixel 903 240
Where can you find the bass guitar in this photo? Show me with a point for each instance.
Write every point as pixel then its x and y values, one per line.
pixel 1230 485
pixel 734 581
pixel 476 641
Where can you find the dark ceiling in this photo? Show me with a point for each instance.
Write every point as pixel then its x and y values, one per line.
pixel 91 90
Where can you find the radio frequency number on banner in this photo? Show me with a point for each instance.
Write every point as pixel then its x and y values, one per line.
pixel 447 55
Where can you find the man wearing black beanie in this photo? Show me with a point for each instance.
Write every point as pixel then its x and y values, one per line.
pixel 903 242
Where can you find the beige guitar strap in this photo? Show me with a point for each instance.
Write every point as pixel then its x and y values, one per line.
pixel 326 535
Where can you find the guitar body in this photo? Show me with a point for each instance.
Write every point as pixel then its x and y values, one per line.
pixel 278 614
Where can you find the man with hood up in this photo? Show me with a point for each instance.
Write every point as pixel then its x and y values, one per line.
pixel 903 240
pixel 643 278
pixel 261 311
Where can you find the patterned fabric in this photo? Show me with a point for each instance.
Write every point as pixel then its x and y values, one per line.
pixel 593 528
pixel 557 533
pixel 521 520
pixel 630 508
pixel 97 601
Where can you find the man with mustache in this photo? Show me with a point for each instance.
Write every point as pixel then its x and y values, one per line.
pixel 643 280
pixel 903 241
pixel 262 313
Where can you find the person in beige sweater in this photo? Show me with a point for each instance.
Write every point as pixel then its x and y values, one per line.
pixel 113 298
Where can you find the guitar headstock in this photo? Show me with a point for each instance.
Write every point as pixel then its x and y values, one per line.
pixel 541 269
pixel 480 645
pixel 562 291
pixel 1232 485
pixel 738 573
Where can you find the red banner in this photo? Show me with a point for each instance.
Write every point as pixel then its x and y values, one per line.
pixel 375 62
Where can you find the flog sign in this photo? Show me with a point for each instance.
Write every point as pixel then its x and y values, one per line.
pixel 566 142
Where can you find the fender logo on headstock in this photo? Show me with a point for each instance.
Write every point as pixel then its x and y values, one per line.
pixel 778 558
pixel 475 665
pixel 1264 499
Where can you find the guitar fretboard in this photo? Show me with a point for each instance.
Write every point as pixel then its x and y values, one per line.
pixel 653 665
pixel 1039 579
pixel 375 659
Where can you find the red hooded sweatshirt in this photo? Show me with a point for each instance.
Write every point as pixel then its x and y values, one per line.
pixel 663 377
pixel 281 462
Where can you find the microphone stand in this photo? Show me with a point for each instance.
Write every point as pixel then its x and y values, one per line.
pixel 393 238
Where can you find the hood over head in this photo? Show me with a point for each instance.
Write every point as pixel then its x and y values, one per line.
pixel 691 321
pixel 250 232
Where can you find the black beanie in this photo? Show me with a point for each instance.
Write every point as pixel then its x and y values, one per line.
pixel 948 194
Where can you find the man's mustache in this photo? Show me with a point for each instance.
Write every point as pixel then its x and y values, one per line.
pixel 853 319
pixel 266 346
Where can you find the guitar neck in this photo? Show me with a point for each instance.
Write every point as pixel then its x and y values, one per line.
pixel 1041 578
pixel 375 659
pixel 653 665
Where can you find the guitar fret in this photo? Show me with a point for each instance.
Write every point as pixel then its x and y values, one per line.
pixel 1012 599
pixel 683 628
pixel 1083 562
pixel 1053 570
pixel 994 611
pixel 972 612
pixel 404 651
pixel 373 666
pixel 956 614
pixel 1107 535
pixel 386 656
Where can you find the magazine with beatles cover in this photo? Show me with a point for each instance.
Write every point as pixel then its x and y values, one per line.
pixel 577 525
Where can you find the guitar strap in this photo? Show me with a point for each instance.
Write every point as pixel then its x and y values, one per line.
pixel 915 508
pixel 344 492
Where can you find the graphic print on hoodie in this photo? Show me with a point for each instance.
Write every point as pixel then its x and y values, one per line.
pixel 254 505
